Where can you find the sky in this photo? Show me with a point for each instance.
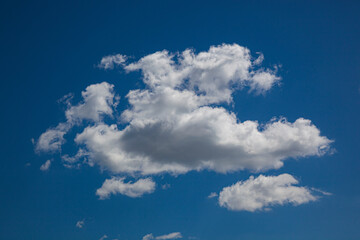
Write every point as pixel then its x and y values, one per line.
pixel 180 120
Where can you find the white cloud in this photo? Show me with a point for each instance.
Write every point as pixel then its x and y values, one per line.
pixel 165 186
pixel 172 128
pixel 66 99
pixel 174 235
pixel 262 81
pixel 130 189
pixel 108 62
pixel 45 166
pixel 214 74
pixel 98 100
pixel 260 59
pixel 213 195
pixel 178 122
pixel 263 192
pixel 321 191
pixel 206 138
pixel 52 139
pixel 148 236
pixel 103 237
pixel 80 224
pixel 73 161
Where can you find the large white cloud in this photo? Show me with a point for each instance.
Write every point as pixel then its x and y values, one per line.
pixel 207 138
pixel 263 192
pixel 130 189
pixel 177 124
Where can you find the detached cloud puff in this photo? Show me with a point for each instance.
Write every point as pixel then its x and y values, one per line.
pixel 80 224
pixel 263 192
pixel 213 195
pixel 108 62
pixel 45 166
pixel 117 185
pixel 103 237
pixel 174 235
pixel 177 123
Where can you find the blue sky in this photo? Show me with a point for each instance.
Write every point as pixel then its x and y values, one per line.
pixel 310 70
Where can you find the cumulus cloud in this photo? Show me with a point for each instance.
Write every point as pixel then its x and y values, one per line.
pixel 174 235
pixel 263 192
pixel 98 101
pixel 178 122
pixel 80 224
pixel 45 166
pixel 174 126
pixel 206 138
pixel 130 189
pixel 53 138
pixel 108 62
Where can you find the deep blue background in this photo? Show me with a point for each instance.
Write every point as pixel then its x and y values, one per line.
pixel 50 48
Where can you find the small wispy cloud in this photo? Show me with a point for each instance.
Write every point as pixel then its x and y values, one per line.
pixel 174 235
pixel 45 166
pixel 213 195
pixel 80 224
pixel 321 191
pixel 165 186
pixel 110 61
pixel 103 237
pixel 130 189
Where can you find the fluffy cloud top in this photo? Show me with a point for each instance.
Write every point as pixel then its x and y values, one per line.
pixel 98 100
pixel 173 125
pixel 177 124
pixel 174 235
pixel 117 185
pixel 263 192
pixel 52 139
